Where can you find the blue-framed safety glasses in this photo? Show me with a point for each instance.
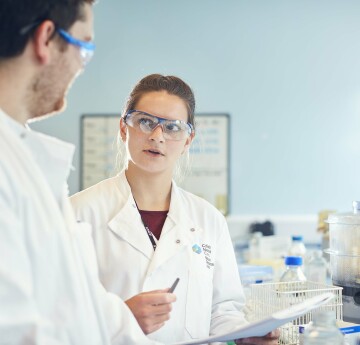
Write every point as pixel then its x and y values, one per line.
pixel 172 129
pixel 87 49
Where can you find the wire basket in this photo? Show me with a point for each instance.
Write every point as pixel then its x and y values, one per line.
pixel 268 298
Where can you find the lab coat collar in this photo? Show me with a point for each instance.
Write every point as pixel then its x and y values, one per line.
pixel 127 222
pixel 177 212
pixel 179 231
pixel 15 126
pixel 53 156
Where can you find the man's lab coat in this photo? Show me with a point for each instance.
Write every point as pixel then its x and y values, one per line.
pixel 194 245
pixel 49 288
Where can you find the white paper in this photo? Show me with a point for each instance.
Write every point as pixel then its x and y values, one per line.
pixel 262 327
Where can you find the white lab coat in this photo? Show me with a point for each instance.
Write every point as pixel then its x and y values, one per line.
pixel 49 288
pixel 209 295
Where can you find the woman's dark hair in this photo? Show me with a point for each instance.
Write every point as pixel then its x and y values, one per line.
pixel 15 15
pixel 171 84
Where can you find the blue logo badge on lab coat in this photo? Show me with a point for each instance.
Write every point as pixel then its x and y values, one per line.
pixel 196 249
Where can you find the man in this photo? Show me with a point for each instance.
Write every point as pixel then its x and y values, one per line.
pixel 49 289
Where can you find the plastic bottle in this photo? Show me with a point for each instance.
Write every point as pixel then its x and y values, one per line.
pixel 292 281
pixel 240 247
pixel 297 247
pixel 323 330
pixel 254 251
pixel 316 268
pixel 293 271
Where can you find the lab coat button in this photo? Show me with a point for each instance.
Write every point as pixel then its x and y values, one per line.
pixel 23 135
pixel 177 241
pixel 192 229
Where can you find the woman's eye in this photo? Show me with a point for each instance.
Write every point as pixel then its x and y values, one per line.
pixel 173 127
pixel 146 121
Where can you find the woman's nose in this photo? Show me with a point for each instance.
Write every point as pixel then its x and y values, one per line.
pixel 157 134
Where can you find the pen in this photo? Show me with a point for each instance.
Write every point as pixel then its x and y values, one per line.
pixel 171 290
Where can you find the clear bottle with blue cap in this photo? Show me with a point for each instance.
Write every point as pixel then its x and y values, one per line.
pixel 293 271
pixel 316 268
pixel 297 247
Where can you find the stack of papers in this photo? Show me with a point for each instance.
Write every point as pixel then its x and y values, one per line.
pixel 264 326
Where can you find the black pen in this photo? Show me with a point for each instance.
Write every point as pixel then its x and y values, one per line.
pixel 171 290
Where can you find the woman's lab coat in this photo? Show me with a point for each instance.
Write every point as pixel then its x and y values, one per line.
pixel 49 288
pixel 194 245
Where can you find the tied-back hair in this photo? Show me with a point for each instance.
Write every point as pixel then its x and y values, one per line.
pixel 169 83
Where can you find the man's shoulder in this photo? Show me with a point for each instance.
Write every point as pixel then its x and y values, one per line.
pixel 13 154
pixel 98 193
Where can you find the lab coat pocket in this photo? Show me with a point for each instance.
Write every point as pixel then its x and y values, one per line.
pixel 198 304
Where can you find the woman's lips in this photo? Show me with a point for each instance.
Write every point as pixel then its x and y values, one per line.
pixel 154 152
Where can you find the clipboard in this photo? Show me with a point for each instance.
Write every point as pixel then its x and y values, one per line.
pixel 266 325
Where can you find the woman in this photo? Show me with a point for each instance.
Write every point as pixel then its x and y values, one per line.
pixel 148 231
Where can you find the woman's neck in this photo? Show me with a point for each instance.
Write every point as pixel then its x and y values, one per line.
pixel 152 192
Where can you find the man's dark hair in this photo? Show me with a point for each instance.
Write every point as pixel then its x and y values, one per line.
pixel 15 15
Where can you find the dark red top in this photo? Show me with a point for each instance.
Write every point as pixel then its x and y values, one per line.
pixel 154 220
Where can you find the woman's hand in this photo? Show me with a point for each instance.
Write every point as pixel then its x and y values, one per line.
pixel 151 309
pixel 269 339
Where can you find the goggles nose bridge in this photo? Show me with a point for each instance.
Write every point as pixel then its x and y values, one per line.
pixel 160 123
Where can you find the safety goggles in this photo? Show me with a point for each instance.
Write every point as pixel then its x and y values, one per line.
pixel 172 129
pixel 86 48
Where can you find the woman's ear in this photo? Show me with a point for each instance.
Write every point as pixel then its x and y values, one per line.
pixel 123 129
pixel 188 142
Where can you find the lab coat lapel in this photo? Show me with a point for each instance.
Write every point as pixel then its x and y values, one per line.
pixel 179 232
pixel 128 226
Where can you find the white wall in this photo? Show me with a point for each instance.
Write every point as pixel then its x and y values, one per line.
pixel 288 73
pixel 284 225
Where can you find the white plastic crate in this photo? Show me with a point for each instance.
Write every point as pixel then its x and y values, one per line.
pixel 268 298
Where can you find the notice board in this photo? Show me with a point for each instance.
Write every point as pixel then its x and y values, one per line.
pixel 210 166
pixel 98 148
pixel 209 152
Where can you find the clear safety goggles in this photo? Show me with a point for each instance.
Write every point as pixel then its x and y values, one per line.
pixel 87 49
pixel 172 129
